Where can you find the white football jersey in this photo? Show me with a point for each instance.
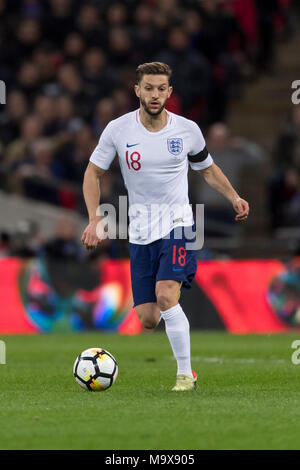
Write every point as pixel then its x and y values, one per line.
pixel 154 166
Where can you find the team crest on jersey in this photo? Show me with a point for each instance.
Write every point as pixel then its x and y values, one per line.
pixel 175 146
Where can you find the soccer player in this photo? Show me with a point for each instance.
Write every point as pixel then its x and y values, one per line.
pixel 155 148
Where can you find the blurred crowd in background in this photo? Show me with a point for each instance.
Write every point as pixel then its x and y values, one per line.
pixel 69 67
pixel 284 183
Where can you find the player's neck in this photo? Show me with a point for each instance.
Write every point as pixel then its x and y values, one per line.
pixel 153 123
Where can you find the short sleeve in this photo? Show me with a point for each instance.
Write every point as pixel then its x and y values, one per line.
pixel 105 150
pixel 199 157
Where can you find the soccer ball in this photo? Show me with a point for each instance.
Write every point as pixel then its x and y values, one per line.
pixel 95 369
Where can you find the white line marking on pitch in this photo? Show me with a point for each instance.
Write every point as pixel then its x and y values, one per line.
pixel 245 360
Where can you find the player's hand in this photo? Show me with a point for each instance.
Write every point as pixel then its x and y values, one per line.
pixel 241 207
pixel 90 237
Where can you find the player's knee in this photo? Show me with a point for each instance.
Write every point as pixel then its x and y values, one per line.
pixel 149 315
pixel 167 293
pixel 148 323
pixel 165 299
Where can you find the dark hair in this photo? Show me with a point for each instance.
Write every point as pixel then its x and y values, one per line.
pixel 153 68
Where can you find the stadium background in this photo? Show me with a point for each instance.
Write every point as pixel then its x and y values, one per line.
pixel 69 68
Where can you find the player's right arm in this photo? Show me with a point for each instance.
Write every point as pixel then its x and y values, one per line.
pixel 91 193
pixel 100 161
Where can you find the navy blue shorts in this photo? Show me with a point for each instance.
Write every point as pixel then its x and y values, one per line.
pixel 163 259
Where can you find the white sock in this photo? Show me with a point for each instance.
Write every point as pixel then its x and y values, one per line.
pixel 178 332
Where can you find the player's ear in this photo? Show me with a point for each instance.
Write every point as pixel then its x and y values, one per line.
pixel 170 91
pixel 137 90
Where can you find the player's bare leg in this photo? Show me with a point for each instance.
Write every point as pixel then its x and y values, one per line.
pixel 149 315
pixel 178 332
pixel 167 293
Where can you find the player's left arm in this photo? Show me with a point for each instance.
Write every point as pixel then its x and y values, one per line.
pixel 215 177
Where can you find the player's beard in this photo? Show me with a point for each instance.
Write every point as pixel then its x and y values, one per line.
pixel 148 110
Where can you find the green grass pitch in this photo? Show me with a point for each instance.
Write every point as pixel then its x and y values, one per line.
pixel 247 396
